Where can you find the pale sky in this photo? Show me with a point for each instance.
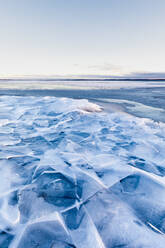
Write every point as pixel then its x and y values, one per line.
pixel 81 37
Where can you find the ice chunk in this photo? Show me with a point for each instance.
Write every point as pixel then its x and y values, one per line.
pixel 45 234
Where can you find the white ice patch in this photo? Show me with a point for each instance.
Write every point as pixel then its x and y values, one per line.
pixel 101 173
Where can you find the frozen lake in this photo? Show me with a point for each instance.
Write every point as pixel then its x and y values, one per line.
pixel 82 167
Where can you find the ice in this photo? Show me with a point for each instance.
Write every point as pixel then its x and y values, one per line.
pixel 117 223
pixel 75 176
pixel 44 234
pixel 5 239
pixel 149 205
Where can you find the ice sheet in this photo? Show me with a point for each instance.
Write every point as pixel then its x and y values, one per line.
pixel 75 176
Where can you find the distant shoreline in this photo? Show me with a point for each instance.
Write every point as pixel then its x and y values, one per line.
pixel 84 79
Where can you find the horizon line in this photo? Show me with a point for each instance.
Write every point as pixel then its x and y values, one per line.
pixel 44 78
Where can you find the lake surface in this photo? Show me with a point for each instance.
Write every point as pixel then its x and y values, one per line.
pixel 82 166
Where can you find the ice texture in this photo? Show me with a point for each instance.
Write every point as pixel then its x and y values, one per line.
pixel 73 176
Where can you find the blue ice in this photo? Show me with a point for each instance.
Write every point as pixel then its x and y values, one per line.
pixel 75 176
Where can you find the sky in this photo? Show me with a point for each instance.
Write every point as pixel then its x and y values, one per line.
pixel 82 37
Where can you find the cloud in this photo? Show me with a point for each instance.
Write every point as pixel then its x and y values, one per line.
pixel 152 75
pixel 105 67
